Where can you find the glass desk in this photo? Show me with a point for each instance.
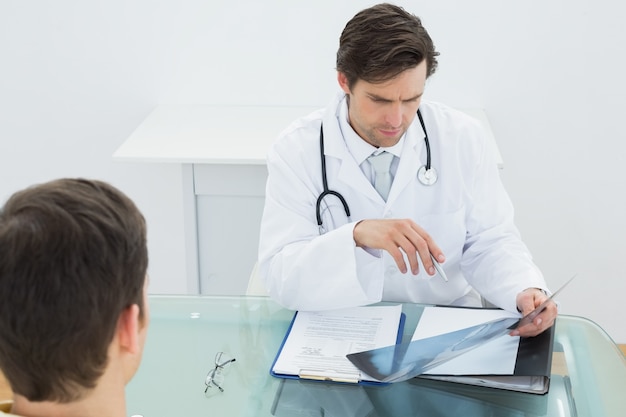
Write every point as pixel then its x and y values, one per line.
pixel 186 332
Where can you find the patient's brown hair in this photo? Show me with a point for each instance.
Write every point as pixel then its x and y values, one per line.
pixel 73 256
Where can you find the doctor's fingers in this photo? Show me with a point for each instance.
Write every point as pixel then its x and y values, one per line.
pixel 414 247
pixel 396 254
pixel 403 245
pixel 542 321
pixel 397 236
pixel 547 316
pixel 425 245
pixel 402 237
pixel 413 241
pixel 433 248
pixel 540 324
pixel 529 299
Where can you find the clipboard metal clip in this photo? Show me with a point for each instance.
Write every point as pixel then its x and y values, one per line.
pixel 330 375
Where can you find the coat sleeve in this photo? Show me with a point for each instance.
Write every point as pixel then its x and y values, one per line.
pixel 301 269
pixel 495 260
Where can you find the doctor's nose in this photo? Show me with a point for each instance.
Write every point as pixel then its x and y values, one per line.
pixel 393 116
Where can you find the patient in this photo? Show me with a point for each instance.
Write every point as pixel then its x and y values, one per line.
pixel 73 307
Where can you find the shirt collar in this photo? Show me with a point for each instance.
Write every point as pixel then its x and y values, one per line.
pixel 359 148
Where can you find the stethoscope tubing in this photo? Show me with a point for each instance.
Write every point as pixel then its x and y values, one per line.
pixel 426 141
pixel 326 191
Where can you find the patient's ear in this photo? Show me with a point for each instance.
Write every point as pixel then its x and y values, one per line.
pixel 128 327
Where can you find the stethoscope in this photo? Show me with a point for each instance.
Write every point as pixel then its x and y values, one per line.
pixel 427 175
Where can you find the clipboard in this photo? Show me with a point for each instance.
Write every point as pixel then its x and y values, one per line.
pixel 354 376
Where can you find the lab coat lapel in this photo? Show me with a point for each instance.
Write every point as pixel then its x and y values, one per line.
pixel 349 172
pixel 410 161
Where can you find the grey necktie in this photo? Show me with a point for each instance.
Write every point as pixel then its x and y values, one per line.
pixel 382 166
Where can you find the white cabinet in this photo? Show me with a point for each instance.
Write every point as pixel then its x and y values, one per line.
pixel 221 150
pixel 229 203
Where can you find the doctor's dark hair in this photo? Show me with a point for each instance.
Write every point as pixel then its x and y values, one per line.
pixel 73 257
pixel 381 42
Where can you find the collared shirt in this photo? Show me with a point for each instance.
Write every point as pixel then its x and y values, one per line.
pixel 360 149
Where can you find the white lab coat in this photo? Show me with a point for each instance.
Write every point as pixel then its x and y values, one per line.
pixel 467 212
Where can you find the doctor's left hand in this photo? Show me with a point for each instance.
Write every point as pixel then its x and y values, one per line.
pixel 397 236
pixel 527 301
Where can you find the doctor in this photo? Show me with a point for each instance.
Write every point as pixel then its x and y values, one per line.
pixel 363 242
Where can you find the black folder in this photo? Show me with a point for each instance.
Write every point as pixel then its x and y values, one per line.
pixel 533 358
pixel 532 368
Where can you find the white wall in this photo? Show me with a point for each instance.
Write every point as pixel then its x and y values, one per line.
pixel 76 77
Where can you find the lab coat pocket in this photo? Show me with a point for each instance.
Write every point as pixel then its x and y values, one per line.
pixel 448 231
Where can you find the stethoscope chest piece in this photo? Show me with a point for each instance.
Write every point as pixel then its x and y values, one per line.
pixel 427 176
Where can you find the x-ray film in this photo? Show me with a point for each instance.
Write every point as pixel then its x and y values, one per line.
pixel 410 359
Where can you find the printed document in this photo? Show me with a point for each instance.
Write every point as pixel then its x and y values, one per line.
pixel 318 342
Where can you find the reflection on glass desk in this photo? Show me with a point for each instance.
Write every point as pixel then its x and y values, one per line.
pixel 186 332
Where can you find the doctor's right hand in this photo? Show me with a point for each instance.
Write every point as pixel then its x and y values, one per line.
pixel 397 236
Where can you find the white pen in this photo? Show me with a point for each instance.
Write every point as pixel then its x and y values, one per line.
pixel 439 268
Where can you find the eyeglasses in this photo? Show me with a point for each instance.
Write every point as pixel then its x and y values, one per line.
pixel 215 377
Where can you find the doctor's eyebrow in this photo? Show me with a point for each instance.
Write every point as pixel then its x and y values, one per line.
pixel 380 99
